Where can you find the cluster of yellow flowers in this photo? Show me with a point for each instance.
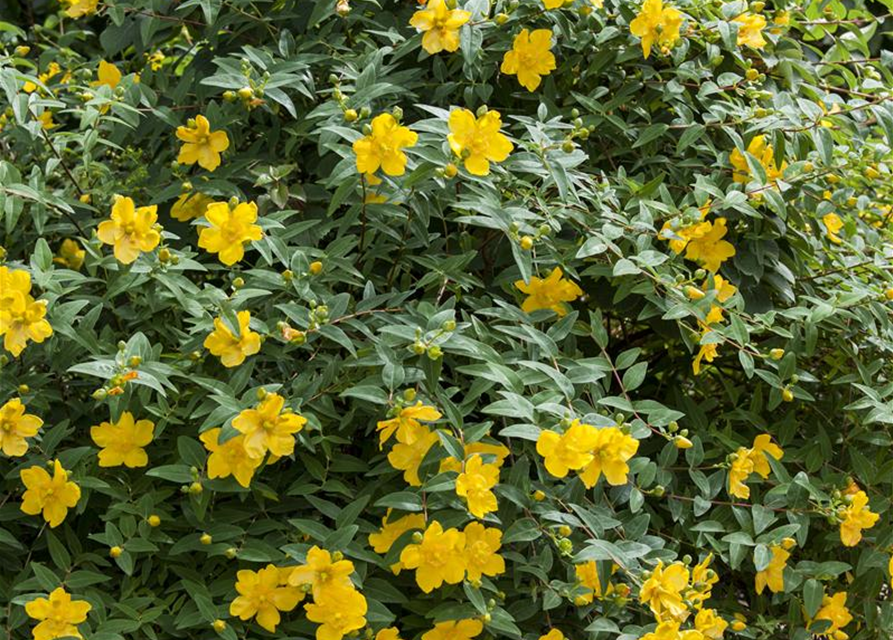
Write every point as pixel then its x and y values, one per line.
pixel 590 451
pixel 21 316
pixel 477 141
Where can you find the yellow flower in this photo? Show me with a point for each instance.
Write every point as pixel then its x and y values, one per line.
pixel 587 576
pixel 123 442
pixel 408 418
pixel 21 316
pixel 455 630
pixel 475 484
pixel 669 630
pixel 710 624
pixel 835 611
pixel 710 250
pixel 554 634
pixel 46 120
pixel 656 23
pixel 742 467
pixel 553 4
pixel 439 557
pixel 856 517
pixel 408 454
pixel 481 547
pixel 261 595
pixel 611 451
pixel 201 144
pixel 441 26
pixel 70 254
pixel 130 230
pixel 52 495
pixel 384 538
pixel 324 577
pixel 15 426
pixel 478 141
pixel 702 580
pixel 383 147
pixel 498 451
pixel 571 450
pixel 833 224
pixel 763 446
pixel 229 458
pixel 338 614
pixel 549 293
pixel 189 206
pixel 107 75
pixel 530 58
pixel 391 633
pixel 764 154
pixel 77 9
pixel 232 351
pixel 59 615
pixel 750 30
pixel 269 428
pixel 773 575
pixel 231 228
pixel 679 238
pixel 662 592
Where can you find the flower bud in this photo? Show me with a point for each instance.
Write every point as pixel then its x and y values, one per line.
pixel 788 543
pixel 539 496
pixel 397 113
pixel 682 442
pixel 693 293
pixel 238 283
pixel 231 553
pixel 409 395
pixel 526 243
pixel 206 538
pixel 418 348
pixel 787 395
pixel 776 354
pixel 229 96
pixel 435 352
pixel 567 146
pixel 196 488
pixel 23 50
pixel 116 551
pixel 808 167
pixel 316 267
pixel 100 394
pixel 752 74
pixel 23 389
pixel 153 520
pixel 564 531
pixel 417 537
pixel 450 171
pixel 449 325
pixel 738 625
pixel 501 18
pixel 246 93
pixel 351 115
pixel 218 625
pixel 288 275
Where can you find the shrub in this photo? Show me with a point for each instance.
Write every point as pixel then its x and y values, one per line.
pixel 531 319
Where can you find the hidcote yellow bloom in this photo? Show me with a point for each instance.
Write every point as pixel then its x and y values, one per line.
pixel 710 625
pixel 337 614
pixel 753 460
pixel 478 141
pixel 438 558
pixel 554 634
pixel 610 455
pixel 391 633
pixel 231 350
pixel 835 611
pixel 763 447
pixel 107 75
pixel 455 630
pixel 656 23
pixel 571 450
pixel 549 293
pixel 408 418
pixel 78 9
pixel 685 234
pixel 51 495
pixel 262 595
pixel 201 144
pixel 764 154
pixel 59 615
pixel 856 517
pixel 383 147
pixel 750 30
pixel 70 254
pixel 662 592
pixel 833 225
pixel 440 25
pixel 384 538
pixel 498 451
pixel 407 456
pixel 21 316
pixel 15 426
pixel 324 577
pixel 587 576
pixel 530 58
pixel 189 206
pixel 475 484
pixel 773 575
pixel 269 427
pixel 669 630
pixel 229 458
pixel 231 228
pixel 710 250
pixel 123 442
pixel 481 551
pixel 130 230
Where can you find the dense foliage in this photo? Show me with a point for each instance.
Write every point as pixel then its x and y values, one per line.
pixel 524 319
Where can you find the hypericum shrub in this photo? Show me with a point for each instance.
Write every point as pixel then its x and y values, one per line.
pixel 446 320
